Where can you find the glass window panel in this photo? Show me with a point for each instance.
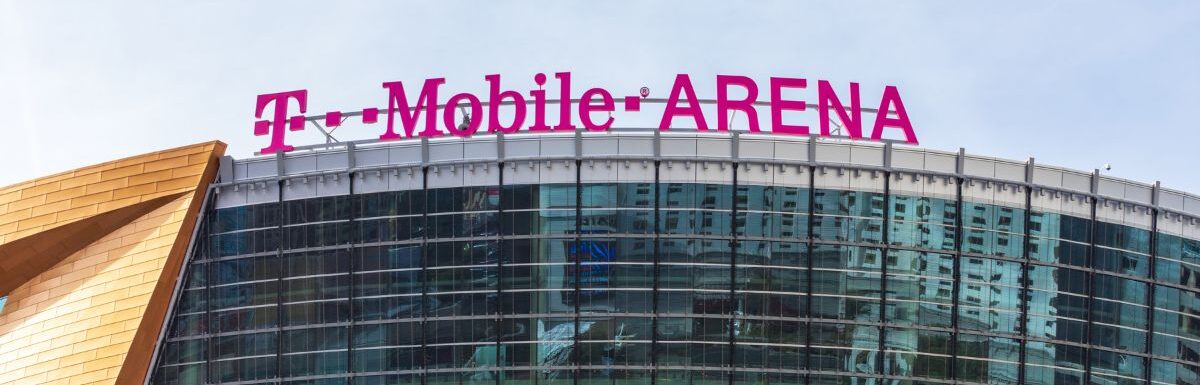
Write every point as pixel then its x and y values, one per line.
pixel 1123 237
pixel 1058 226
pixel 844 348
pixel 917 353
pixel 315 351
pixel 608 341
pixel 773 344
pixel 244 217
pixel 463 199
pixel 316 209
pixel 984 359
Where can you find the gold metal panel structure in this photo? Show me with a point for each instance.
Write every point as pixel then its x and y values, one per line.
pixel 89 259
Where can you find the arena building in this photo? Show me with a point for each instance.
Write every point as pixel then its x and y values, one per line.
pixel 623 257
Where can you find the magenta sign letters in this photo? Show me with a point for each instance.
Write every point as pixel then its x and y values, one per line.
pixel 403 113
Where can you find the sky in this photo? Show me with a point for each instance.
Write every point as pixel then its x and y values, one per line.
pixel 1077 84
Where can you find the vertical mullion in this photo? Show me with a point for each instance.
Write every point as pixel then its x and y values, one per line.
pixel 957 272
pixel 1091 282
pixel 1026 270
pixel 354 211
pixel 283 240
pixel 654 348
pixel 883 270
pixel 575 361
pixel 208 303
pixel 808 260
pixel 1153 288
pixel 733 252
pixel 424 370
pixel 501 254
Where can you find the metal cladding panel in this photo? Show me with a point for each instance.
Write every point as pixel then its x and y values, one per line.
pixel 259 169
pixel 791 150
pixel 445 152
pixel 264 192
pixel 1171 224
pixel 1139 193
pixel 994 168
pixel 941 162
pixel 714 147
pixel 368 157
pixel 831 179
pixel 90 258
pixel 405 154
pixel 695 172
pixel 298 164
pixel 480 149
pixel 521 148
pixel 841 179
pixel 833 153
pixel 406 178
pixel 750 147
pixel 871 156
pixel 1000 194
pixel 235 171
pixel 1110 188
pixel 1077 181
pixel 1191 205
pixel 636 146
pixel 108 303
pixel 1171 200
pixel 247 194
pixel 558 147
pixel 1179 201
pixel 1064 179
pixel 1063 203
pixel 562 171
pixel 228 196
pixel 682 147
pixel 453 151
pixel 599 171
pixel 444 176
pixel 677 171
pixel 481 175
pixel 635 171
pixel 333 184
pixel 977 166
pixel 1123 214
pixel 1010 171
pixel 522 172
pixel 757 174
pixel 593 146
pixel 866 180
pixel 1048 177
pixel 913 184
pixel 1122 189
pixel 787 175
pixel 1191 228
pixel 371 181
pixel 335 161
pixel 714 172
pixel 299 188
pixel 908 159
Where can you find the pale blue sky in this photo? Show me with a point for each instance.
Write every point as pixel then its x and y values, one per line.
pixel 1072 83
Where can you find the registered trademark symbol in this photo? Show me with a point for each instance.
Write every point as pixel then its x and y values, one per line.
pixel 645 91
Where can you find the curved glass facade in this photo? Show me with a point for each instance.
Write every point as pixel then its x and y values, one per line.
pixel 883 278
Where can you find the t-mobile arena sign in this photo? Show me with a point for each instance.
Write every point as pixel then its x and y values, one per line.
pixel 594 110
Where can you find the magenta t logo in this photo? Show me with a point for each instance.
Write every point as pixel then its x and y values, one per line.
pixel 275 126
